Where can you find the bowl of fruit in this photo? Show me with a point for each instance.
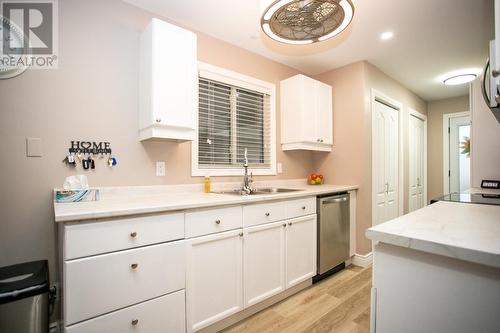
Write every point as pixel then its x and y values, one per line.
pixel 315 179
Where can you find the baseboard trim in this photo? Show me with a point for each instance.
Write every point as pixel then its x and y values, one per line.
pixel 363 260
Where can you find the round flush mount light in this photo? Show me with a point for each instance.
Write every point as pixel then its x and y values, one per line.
pixel 459 79
pixel 386 35
pixel 302 22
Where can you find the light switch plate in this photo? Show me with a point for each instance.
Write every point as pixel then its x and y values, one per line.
pixel 279 166
pixel 34 147
pixel 160 168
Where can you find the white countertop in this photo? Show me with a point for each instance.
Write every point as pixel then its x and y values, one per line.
pixel 153 199
pixel 465 231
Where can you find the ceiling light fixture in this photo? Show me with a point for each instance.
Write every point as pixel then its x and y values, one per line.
pixel 459 79
pixel 302 22
pixel 386 35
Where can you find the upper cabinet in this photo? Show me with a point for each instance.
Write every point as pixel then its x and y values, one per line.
pixel 306 114
pixel 168 83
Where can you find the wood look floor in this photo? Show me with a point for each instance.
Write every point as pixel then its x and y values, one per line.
pixel 338 304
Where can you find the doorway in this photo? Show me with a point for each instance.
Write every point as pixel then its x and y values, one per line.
pixel 386 159
pixel 417 146
pixel 456 152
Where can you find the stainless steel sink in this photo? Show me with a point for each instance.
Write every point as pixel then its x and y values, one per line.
pixel 260 191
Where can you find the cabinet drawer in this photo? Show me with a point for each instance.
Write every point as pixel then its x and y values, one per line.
pixel 263 213
pixel 300 207
pixel 86 239
pixel 97 285
pixel 206 222
pixel 162 314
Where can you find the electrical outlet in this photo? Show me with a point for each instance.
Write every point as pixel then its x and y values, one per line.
pixel 160 168
pixel 279 167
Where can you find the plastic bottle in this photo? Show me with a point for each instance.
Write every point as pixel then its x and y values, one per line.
pixel 207 184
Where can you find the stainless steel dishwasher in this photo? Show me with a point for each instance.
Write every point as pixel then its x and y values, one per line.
pixel 333 231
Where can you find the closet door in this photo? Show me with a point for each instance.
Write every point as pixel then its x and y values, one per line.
pixel 385 162
pixel 416 163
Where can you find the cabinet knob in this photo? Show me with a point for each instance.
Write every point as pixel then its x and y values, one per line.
pixel 217 221
pixel 158 120
pixel 135 322
pixel 241 234
pixel 267 214
pixel 133 234
pixel 289 223
pixel 303 207
pixel 134 266
pixel 321 140
pixel 318 140
pixel 283 225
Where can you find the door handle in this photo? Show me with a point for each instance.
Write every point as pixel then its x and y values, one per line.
pixel 336 200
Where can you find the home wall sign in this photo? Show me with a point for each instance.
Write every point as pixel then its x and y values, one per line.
pixel 90 147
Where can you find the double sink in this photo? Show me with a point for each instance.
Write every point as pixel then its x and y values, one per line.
pixel 260 191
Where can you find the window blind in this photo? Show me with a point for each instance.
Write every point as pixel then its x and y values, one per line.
pixel 231 119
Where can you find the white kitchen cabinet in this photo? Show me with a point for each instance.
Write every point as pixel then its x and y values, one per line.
pixel 306 114
pixel 300 249
pixel 214 278
pixel 101 284
pixel 168 83
pixel 264 261
pixel 143 317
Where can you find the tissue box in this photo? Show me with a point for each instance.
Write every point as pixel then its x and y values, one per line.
pixel 76 195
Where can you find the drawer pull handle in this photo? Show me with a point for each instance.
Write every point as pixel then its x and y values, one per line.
pixel 134 266
pixel 289 223
pixel 267 214
pixel 217 221
pixel 303 207
pixel 135 322
pixel 133 234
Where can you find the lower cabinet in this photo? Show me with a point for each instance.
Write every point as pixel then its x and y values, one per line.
pixel 233 270
pixel 300 249
pixel 162 314
pixel 263 261
pixel 214 279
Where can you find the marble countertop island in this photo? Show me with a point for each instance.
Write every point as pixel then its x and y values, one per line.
pixel 123 201
pixel 469 232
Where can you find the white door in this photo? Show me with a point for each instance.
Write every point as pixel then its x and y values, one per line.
pixel 263 261
pixel 385 162
pixel 300 249
pixel 416 163
pixel 459 174
pixel 214 274
pixel 324 113
pixel 309 110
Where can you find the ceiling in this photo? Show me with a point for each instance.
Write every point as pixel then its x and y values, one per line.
pixel 431 37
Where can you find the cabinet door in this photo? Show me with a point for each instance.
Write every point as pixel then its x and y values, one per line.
pixel 324 113
pixel 300 249
pixel 264 261
pixel 309 110
pixel 214 283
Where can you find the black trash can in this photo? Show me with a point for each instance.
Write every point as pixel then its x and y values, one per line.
pixel 24 298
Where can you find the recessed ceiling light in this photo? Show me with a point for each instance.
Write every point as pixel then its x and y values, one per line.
pixel 386 35
pixel 305 22
pixel 459 79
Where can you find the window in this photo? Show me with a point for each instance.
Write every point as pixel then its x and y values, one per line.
pixel 235 113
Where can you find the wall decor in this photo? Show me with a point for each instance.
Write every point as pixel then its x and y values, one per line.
pixel 85 151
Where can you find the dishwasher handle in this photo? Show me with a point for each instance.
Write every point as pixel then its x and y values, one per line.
pixel 335 200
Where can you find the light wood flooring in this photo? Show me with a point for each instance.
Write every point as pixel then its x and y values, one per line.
pixel 339 304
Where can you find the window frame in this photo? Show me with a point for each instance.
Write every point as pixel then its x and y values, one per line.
pixel 226 76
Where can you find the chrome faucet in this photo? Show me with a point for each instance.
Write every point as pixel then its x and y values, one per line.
pixel 248 187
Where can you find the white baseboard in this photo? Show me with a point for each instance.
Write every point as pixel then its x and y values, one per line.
pixel 363 260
